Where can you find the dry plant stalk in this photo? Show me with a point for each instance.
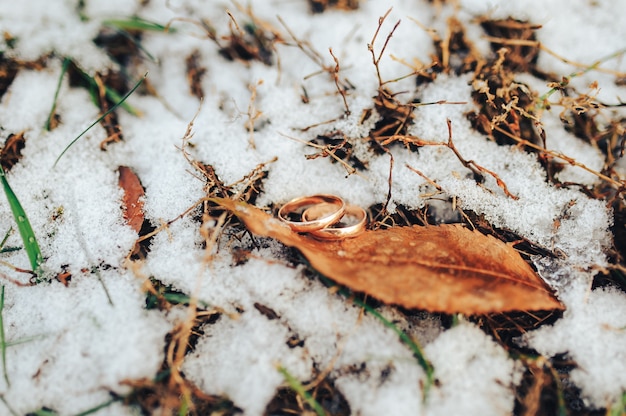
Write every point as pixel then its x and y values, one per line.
pixel 342 91
pixel 331 150
pixel 370 46
pixel 446 268
pixel 618 184
pixel 395 117
pixel 477 169
pixel 342 85
pixel 253 113
pixel 254 42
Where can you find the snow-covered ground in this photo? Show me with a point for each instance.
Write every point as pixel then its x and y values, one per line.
pixel 79 346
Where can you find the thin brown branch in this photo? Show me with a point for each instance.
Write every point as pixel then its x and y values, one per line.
pixel 253 114
pixel 326 151
pixel 469 164
pixel 420 173
pixel 321 123
pixel 370 46
pixel 618 184
pixel 389 181
pixel 234 21
pixel 475 167
pixel 341 91
pixel 15 281
pixel 536 44
pixel 306 48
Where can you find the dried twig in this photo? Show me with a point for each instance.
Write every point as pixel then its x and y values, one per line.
pixel 370 46
pixel 306 47
pixel 253 114
pixel 586 67
pixel 430 181
pixel 342 91
pixel 15 281
pixel 325 151
pixel 620 185
pixel 475 167
pixel 333 70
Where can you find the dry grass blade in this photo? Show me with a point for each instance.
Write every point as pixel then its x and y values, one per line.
pixel 475 167
pixel 447 268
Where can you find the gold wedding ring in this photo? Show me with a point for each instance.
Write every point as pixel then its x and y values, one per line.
pixel 292 212
pixel 350 225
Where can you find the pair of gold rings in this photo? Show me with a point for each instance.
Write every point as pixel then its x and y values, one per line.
pixel 326 217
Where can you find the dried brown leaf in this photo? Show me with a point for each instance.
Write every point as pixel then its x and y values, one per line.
pixel 445 268
pixel 133 197
pixel 11 153
pixel 195 72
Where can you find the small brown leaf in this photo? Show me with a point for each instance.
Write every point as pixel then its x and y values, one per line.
pixel 133 197
pixel 195 72
pixel 64 277
pixel 445 268
pixel 12 151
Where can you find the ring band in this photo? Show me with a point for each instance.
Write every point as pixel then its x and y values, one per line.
pixel 338 230
pixel 296 206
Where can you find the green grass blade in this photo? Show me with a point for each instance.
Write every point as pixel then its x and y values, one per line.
pixel 300 390
pixel 418 353
pixel 4 401
pixel 110 93
pixel 137 43
pixel 6 237
pixel 23 225
pixel 3 343
pixel 619 407
pixel 408 341
pixel 66 64
pixel 44 412
pixel 97 408
pixel 137 24
pixel 566 80
pixel 120 102
pixel 116 98
pixel 25 340
pixel 9 249
pixel 184 406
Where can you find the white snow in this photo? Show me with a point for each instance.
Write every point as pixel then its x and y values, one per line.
pixel 469 365
pixel 84 347
pixel 593 336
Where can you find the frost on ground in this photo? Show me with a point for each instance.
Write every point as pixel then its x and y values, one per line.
pixel 70 348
